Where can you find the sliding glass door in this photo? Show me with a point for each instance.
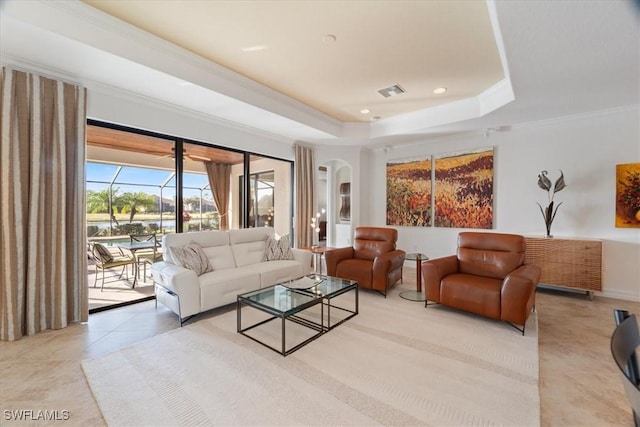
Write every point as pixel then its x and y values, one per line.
pixel 206 186
pixel 141 182
pixel 266 200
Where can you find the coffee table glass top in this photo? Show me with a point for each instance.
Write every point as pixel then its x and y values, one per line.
pixel 290 300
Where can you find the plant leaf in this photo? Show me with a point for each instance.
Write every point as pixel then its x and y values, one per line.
pixel 559 183
pixel 543 181
pixel 556 211
pixel 549 212
pixel 541 211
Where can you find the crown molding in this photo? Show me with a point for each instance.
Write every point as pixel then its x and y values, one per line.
pixel 21 64
pixel 420 140
pixel 89 26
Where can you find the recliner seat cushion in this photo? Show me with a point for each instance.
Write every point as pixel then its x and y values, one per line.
pixel 359 270
pixel 476 294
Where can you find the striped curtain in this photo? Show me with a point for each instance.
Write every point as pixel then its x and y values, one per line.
pixel 43 259
pixel 220 183
pixel 305 195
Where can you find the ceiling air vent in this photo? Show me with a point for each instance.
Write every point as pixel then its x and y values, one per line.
pixel 391 91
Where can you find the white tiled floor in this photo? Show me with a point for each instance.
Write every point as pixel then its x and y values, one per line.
pixel 578 382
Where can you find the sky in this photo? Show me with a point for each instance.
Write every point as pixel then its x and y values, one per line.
pixel 131 175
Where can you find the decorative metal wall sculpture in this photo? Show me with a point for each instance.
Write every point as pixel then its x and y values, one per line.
pixel 464 189
pixel 409 192
pixel 549 213
pixel 628 195
pixel 345 201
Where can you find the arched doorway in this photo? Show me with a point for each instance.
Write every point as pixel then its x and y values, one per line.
pixel 334 196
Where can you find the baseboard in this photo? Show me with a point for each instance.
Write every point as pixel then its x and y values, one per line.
pixel 627 296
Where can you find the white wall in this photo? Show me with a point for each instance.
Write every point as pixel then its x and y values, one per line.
pixel 587 150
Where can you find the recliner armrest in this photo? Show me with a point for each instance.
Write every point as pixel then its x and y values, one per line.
pixel 434 270
pixel 303 256
pixel 389 261
pixel 518 293
pixel 334 256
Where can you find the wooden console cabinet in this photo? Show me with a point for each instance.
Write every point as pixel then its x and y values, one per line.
pixel 567 262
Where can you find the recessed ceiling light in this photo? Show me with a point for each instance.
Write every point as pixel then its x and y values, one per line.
pixel 365 111
pixel 255 48
pixel 329 38
pixel 439 90
pixel 374 118
pixel 185 84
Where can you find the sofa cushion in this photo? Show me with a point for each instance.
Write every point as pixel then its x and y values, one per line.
pixel 220 257
pixel 192 257
pixel 277 249
pixel 203 238
pixel 275 272
pixel 219 288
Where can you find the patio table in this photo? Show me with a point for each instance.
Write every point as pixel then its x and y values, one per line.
pixel 133 247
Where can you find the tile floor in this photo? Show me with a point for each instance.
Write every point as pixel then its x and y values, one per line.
pixel 116 291
pixel 579 385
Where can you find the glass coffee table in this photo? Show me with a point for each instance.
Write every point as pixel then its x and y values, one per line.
pixel 289 301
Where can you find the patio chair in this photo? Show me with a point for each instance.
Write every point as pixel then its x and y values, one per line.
pixel 105 260
pixel 147 256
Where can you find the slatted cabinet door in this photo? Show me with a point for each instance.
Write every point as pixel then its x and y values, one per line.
pixel 568 262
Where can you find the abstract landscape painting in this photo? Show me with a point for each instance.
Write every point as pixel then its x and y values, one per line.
pixel 409 192
pixel 464 189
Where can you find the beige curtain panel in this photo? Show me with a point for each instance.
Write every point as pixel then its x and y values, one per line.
pixel 305 195
pixel 220 182
pixel 43 259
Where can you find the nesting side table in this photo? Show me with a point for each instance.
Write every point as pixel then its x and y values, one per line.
pixel 416 295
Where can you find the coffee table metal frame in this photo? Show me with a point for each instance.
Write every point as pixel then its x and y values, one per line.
pixel 313 296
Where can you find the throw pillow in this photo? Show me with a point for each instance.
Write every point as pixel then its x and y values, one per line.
pixel 102 253
pixel 278 249
pixel 192 257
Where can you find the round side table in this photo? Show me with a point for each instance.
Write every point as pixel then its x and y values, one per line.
pixel 416 295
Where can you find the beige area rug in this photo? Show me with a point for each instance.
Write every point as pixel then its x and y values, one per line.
pixel 396 363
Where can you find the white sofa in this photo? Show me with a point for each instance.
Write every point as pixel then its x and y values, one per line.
pixel 237 260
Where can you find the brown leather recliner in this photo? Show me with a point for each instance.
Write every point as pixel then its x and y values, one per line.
pixel 487 277
pixel 374 262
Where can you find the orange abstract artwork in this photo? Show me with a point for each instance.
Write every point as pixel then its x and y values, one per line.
pixel 464 190
pixel 628 195
pixel 409 192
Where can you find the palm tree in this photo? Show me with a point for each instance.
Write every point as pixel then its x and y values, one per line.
pixel 131 202
pixel 98 202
